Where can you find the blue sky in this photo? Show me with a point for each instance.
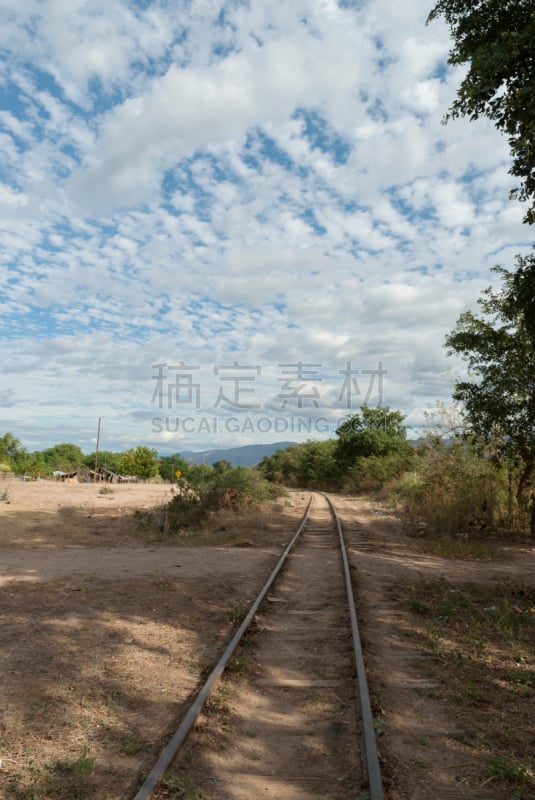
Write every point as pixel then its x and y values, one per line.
pixel 251 195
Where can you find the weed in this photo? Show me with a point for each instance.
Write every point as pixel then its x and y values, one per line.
pixel 131 746
pixel 478 741
pixel 80 766
pixel 379 725
pixel 507 771
pixel 459 547
pixel 471 694
pixel 218 702
pixel 238 665
pixel 520 677
pixel 113 698
pixel 248 641
pixel 106 490
pixel 419 762
pixel 253 755
pixel 70 778
pixel 519 658
pixel 144 519
pixel 182 787
pixel 417 607
pixel 198 665
pixel 236 612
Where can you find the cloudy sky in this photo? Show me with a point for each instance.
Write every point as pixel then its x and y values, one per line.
pixel 223 222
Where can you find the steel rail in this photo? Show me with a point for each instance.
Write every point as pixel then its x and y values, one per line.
pixel 370 742
pixel 147 789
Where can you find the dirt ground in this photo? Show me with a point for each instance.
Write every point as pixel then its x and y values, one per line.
pixel 440 720
pixel 107 631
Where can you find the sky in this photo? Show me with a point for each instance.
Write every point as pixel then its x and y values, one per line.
pixel 226 223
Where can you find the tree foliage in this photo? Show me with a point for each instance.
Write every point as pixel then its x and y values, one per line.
pixel 371 450
pixel 373 432
pixel 496 38
pixel 311 464
pixel 499 347
pixel 222 465
pixel 140 461
pixel 66 457
pixel 523 291
pixel 106 458
pixel 169 465
pixel 12 453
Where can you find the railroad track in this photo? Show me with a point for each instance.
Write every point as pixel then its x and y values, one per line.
pixel 307 705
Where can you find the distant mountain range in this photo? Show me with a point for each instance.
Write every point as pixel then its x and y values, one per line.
pixel 246 456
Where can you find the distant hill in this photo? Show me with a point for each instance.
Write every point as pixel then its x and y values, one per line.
pixel 246 456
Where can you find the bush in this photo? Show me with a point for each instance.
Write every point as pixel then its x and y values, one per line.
pixel 457 489
pixel 239 489
pixel 235 489
pixel 185 510
pixel 374 472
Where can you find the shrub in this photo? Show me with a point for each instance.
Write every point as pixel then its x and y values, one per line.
pixel 236 489
pixel 374 472
pixel 457 489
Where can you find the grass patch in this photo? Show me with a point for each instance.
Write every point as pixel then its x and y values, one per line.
pixel 520 677
pixel 465 549
pixel 507 771
pixel 64 779
pixel 219 701
pixel 236 613
pixel 239 665
pixel 483 639
pixel 131 746
pixel 179 787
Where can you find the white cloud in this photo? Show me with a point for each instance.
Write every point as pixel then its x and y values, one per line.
pixel 269 184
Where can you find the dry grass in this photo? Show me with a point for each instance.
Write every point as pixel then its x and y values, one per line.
pixel 459 547
pixel 483 640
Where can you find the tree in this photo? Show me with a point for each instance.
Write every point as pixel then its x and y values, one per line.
pixel 222 465
pixel 373 432
pixel 524 291
pixel 500 401
pixel 170 465
pixel 200 473
pixel 140 461
pixel 497 39
pixel 106 458
pixel 12 453
pixel 311 464
pixel 65 457
pixel 317 466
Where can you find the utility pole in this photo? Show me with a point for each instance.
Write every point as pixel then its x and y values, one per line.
pixel 98 442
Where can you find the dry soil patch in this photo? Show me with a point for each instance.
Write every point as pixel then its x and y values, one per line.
pixel 422 723
pixel 104 639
